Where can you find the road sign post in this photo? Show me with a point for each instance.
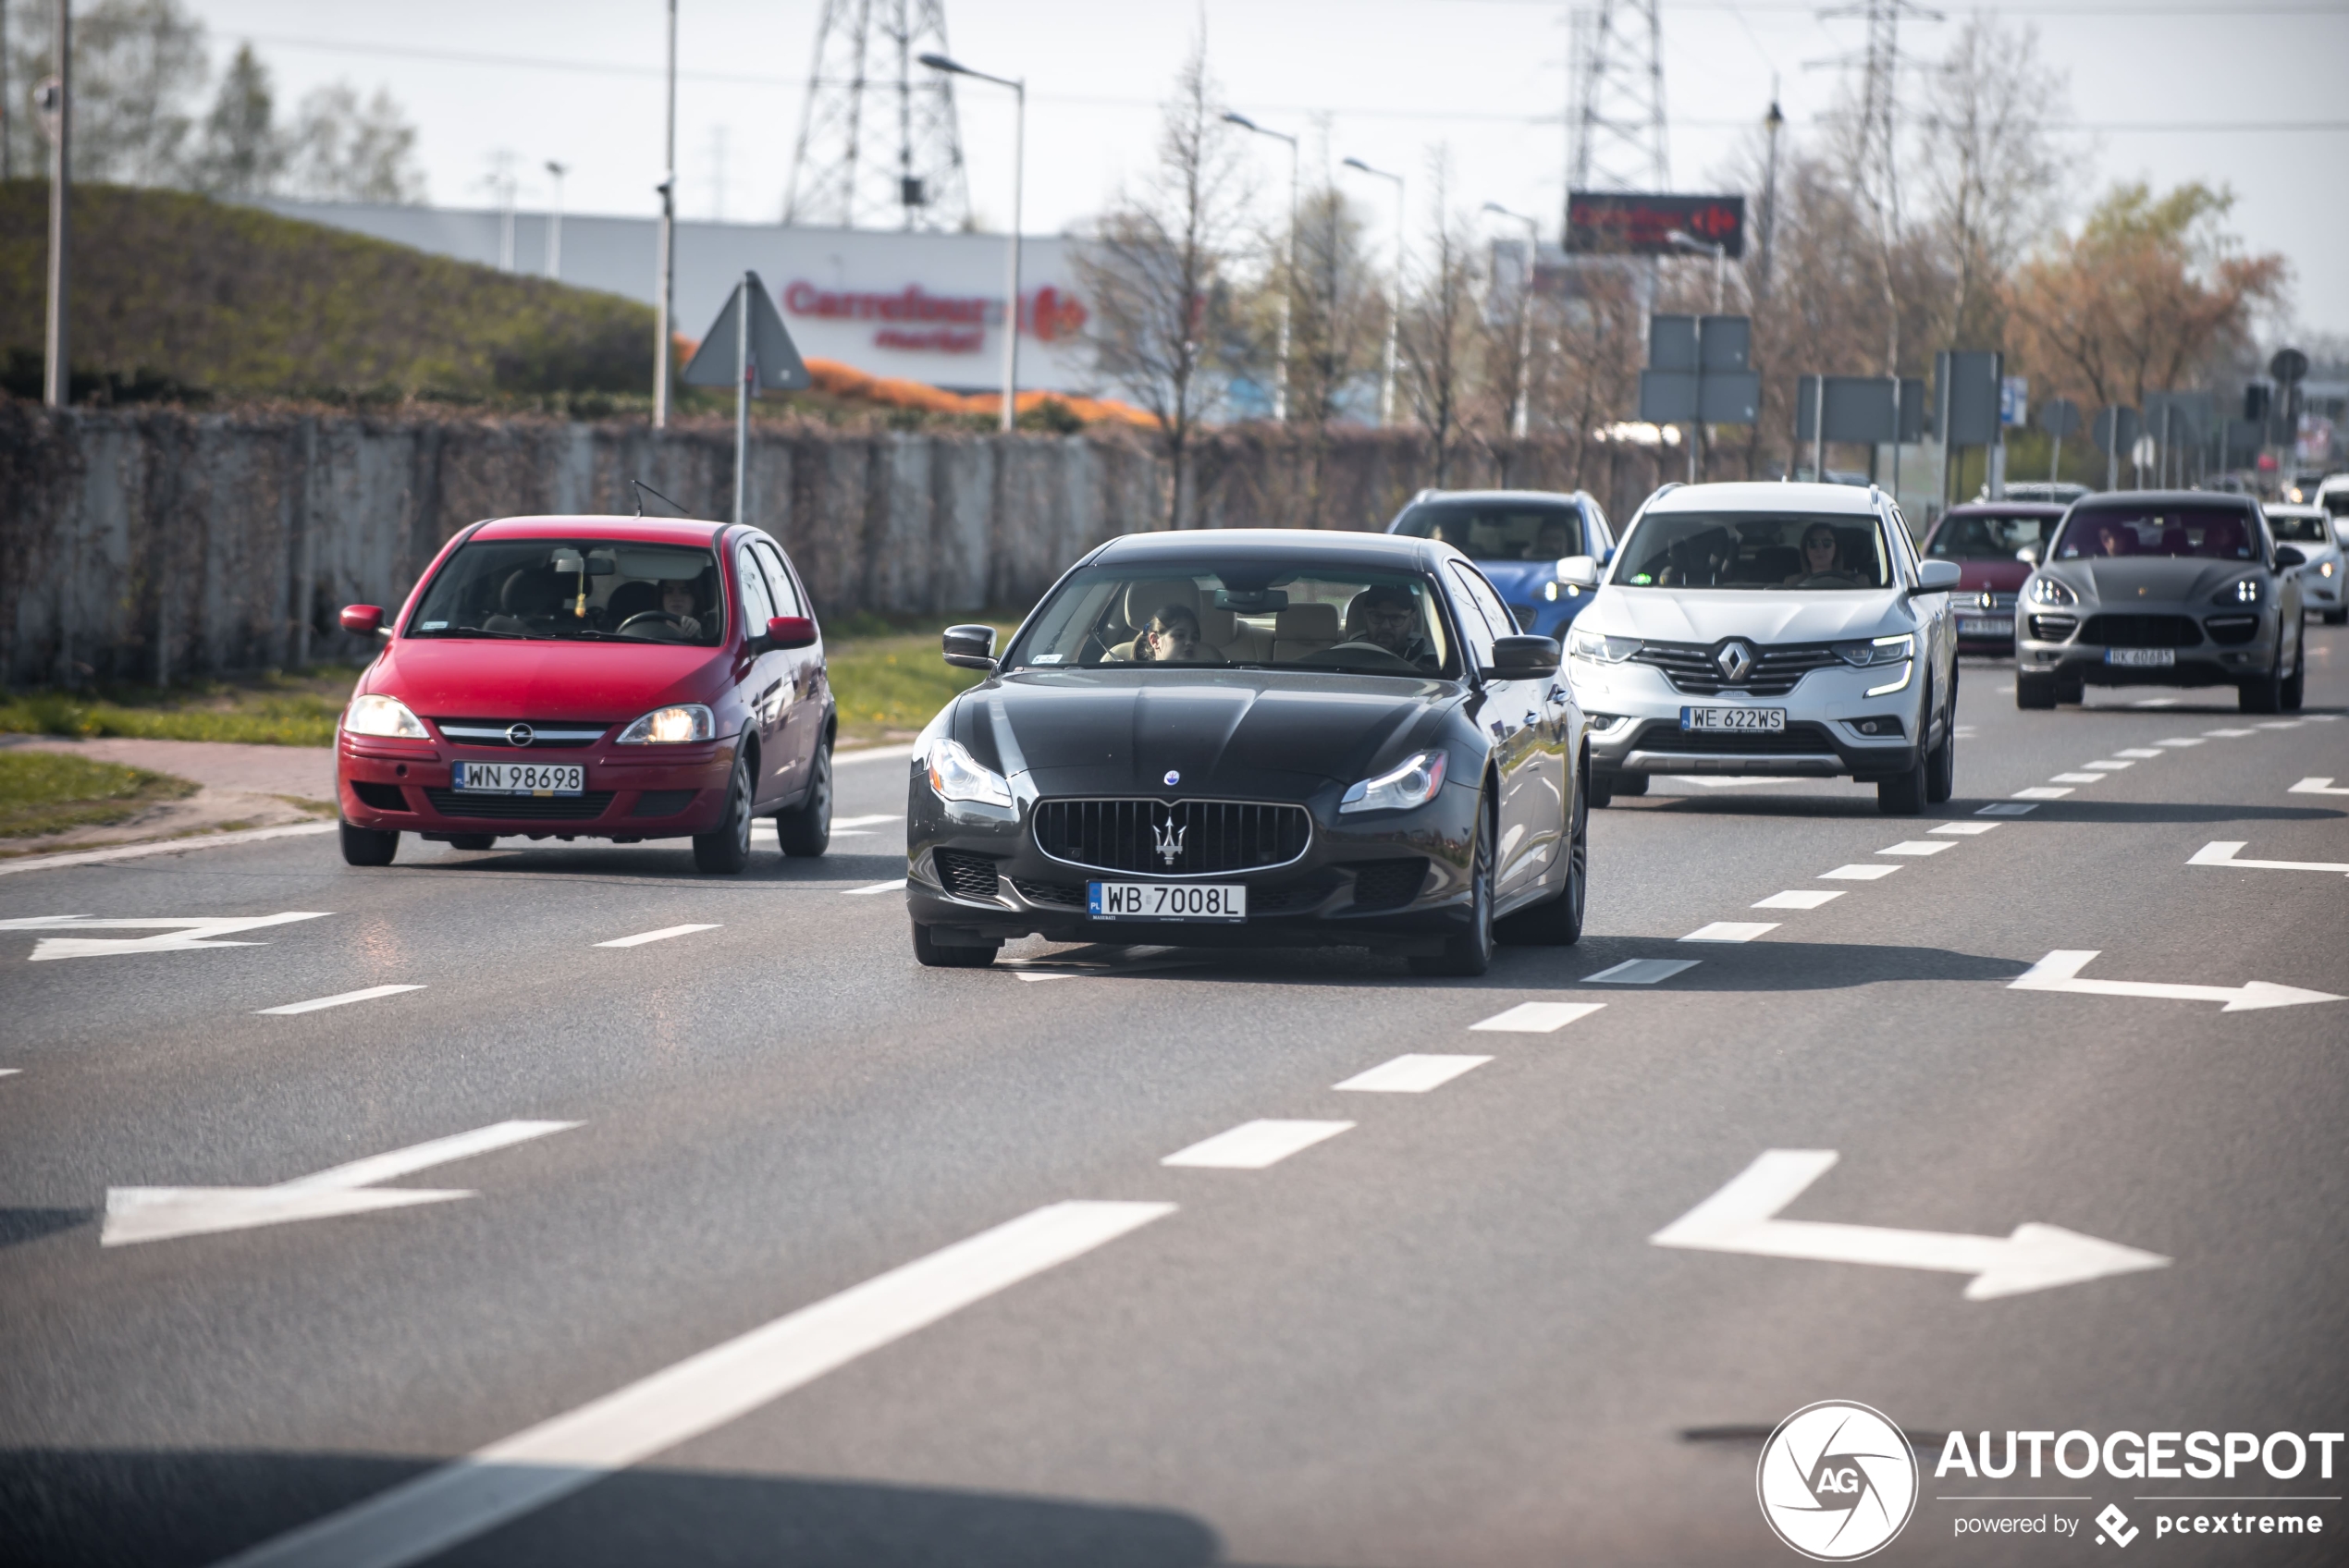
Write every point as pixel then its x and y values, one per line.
pixel 2059 417
pixel 747 348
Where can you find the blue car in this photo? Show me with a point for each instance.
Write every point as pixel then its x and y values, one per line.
pixel 1520 539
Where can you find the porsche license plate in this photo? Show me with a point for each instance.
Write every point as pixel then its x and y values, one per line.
pixel 1166 900
pixel 2003 626
pixel 1770 721
pixel 2141 658
pixel 518 778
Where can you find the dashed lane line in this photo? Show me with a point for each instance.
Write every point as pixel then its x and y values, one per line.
pixel 1801 898
pixel 1252 1146
pixel 2140 753
pixel 2108 765
pixel 1639 971
pixel 524 1472
pixel 641 937
pixel 1411 1074
pixel 2278 724
pixel 2042 792
pixel 341 1000
pixel 1917 847
pixel 1731 931
pixel 2013 808
pixel 876 887
pixel 1537 1018
pixel 1858 873
pixel 2222 852
pixel 1965 829
pixel 2230 734
pixel 2075 778
pixel 2179 741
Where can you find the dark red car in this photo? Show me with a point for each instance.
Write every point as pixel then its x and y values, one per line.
pixel 592 677
pixel 1982 537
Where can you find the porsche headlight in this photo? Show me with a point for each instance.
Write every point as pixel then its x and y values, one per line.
pixel 1599 646
pixel 956 775
pixel 1412 784
pixel 678 726
pixel 1878 650
pixel 2048 591
pixel 384 715
pixel 2243 590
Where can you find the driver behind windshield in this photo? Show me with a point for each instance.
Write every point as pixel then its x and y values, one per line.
pixel 1386 617
pixel 1822 555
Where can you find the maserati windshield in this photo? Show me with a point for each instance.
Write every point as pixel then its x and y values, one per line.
pixel 1254 615
pixel 1810 551
pixel 574 590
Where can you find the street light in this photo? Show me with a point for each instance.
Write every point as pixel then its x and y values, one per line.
pixel 555 223
pixel 1523 420
pixel 1701 246
pixel 1288 281
pixel 1019 148
pixel 664 305
pixel 1395 316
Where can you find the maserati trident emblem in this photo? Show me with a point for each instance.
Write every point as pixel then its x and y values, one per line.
pixel 1170 840
pixel 520 734
pixel 1172 776
pixel 1734 659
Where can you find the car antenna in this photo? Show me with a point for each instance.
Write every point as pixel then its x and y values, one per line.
pixel 643 490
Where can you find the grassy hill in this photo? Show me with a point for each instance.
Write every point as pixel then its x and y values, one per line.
pixel 234 300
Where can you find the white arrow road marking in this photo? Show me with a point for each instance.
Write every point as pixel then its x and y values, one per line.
pixel 2317 787
pixel 641 937
pixel 1742 1217
pixel 524 1472
pixel 1411 1074
pixel 1537 1018
pixel 185 934
pixel 1252 1146
pixel 2059 971
pixel 2222 852
pixel 342 998
pixel 155 1214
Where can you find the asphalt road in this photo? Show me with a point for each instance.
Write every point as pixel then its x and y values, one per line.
pixel 1440 1334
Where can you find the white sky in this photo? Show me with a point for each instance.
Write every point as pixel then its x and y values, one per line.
pixel 1390 78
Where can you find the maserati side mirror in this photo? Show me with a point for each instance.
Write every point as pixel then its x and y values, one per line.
pixel 970 648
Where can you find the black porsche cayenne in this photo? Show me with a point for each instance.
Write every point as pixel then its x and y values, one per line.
pixel 1254 738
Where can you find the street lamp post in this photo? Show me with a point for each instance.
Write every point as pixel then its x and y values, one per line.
pixel 1011 286
pixel 1288 280
pixel 665 304
pixel 555 223
pixel 57 389
pixel 1394 315
pixel 1523 420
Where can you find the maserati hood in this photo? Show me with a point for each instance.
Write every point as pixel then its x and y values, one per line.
pixel 1253 734
pixel 606 682
pixel 1699 615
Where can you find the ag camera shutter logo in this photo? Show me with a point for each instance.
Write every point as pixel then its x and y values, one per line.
pixel 1837 1481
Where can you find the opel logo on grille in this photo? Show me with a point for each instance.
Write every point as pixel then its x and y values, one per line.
pixel 1169 839
pixel 1734 659
pixel 520 734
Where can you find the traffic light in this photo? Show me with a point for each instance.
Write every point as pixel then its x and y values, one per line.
pixel 2255 400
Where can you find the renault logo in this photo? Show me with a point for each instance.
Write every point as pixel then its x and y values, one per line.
pixel 1170 840
pixel 519 735
pixel 1734 659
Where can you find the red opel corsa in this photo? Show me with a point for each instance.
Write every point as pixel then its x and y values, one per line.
pixel 592 677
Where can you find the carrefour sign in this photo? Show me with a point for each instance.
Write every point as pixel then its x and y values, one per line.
pixel 912 318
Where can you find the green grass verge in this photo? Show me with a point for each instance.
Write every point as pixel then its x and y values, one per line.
pixel 888 687
pixel 47 793
pixel 267 710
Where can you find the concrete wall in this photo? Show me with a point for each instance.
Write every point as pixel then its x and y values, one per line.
pixel 151 545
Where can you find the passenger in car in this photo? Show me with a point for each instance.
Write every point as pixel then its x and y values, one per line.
pixel 1172 637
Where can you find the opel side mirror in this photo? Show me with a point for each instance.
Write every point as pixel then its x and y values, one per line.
pixel 362 620
pixel 790 632
pixel 971 647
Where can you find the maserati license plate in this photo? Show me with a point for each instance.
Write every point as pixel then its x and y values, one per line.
pixel 1165 900
pixel 518 778
pixel 2141 658
pixel 1769 721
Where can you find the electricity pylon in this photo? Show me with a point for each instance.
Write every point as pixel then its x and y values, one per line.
pixel 1618 113
pixel 879 145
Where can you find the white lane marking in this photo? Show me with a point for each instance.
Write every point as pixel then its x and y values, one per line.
pixel 2278 724
pixel 1743 1218
pixel 2179 741
pixel 2323 717
pixel 641 937
pixel 872 753
pixel 2042 792
pixel 1537 1018
pixel 2155 703
pixel 185 934
pixel 341 1000
pixel 1916 847
pixel 1411 1074
pixel 155 1214
pixel 2059 971
pixel 1731 931
pixel 1252 1146
pixel 1639 971
pixel 2140 753
pixel 523 1473
pixel 1858 873
pixel 1726 780
pixel 2075 778
pixel 2108 765
pixel 2317 787
pixel 876 887
pixel 9 1071
pixel 1965 829
pixel 875 820
pixel 1033 975
pixel 1800 897
pixel 2222 852
pixel 2013 808
pixel 168 846
pixel 2231 734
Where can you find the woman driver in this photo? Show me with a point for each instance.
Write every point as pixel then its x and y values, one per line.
pixel 1819 553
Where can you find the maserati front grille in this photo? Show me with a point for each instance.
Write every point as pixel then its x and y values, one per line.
pixel 1171 839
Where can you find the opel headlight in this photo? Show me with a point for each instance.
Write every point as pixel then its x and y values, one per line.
pixel 956 775
pixel 384 715
pixel 2243 590
pixel 1598 646
pixel 1400 789
pixel 678 726
pixel 2048 591
pixel 1878 650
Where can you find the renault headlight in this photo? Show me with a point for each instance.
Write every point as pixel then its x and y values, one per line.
pixel 1878 650
pixel 956 775
pixel 384 715
pixel 1400 789
pixel 2324 568
pixel 2048 591
pixel 1599 646
pixel 2243 590
pixel 678 726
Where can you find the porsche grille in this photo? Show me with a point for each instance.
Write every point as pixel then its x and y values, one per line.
pixel 1203 836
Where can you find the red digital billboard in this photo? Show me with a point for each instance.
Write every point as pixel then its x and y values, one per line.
pixel 1628 223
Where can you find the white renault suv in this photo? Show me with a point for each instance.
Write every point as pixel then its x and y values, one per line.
pixel 1770 629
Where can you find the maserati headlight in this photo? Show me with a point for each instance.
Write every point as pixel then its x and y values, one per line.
pixel 2048 591
pixel 2243 590
pixel 1878 650
pixel 1400 789
pixel 384 715
pixel 956 775
pixel 678 726
pixel 1599 646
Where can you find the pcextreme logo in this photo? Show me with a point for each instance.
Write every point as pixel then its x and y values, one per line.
pixel 1837 1481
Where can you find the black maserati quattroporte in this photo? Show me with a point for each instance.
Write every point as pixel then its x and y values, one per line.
pixel 1256 738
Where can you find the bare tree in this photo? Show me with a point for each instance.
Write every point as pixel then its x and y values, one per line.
pixel 347 151
pixel 137 67
pixel 241 153
pixel 1441 324
pixel 1154 268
